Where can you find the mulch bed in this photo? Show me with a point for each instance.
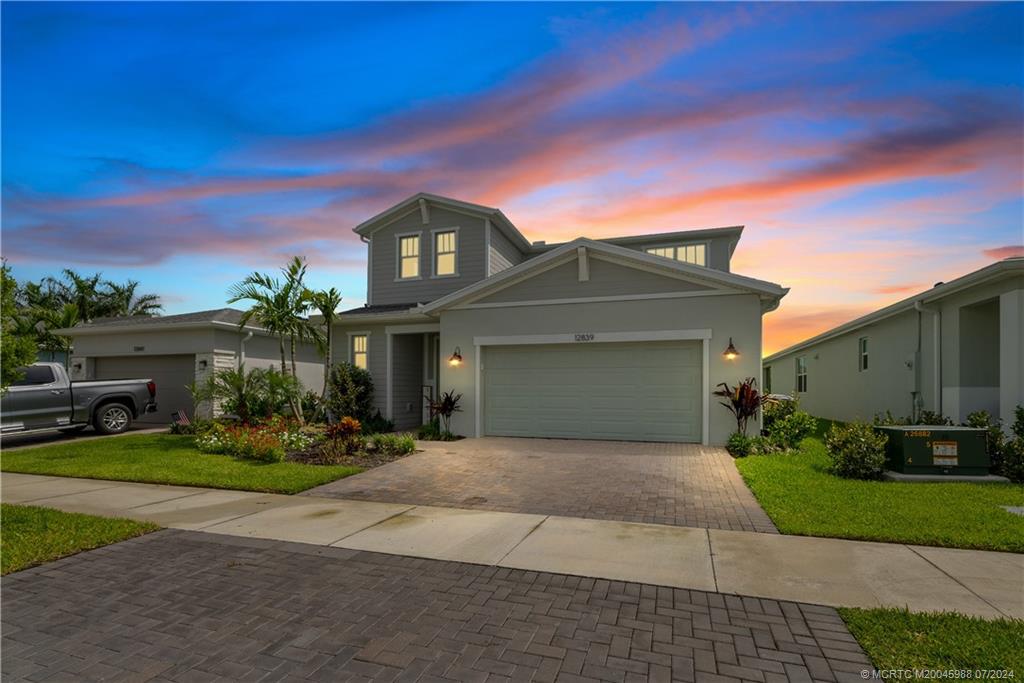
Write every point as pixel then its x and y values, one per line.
pixel 314 456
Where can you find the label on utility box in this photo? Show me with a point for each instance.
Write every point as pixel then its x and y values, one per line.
pixel 944 453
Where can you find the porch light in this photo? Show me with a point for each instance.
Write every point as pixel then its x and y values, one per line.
pixel 730 352
pixel 456 359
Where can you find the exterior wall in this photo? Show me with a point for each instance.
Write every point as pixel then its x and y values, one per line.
pixel 407 377
pixel 376 343
pixel 503 254
pixel 153 343
pixel 1011 353
pixel 263 352
pixel 385 288
pixel 737 316
pixel 606 279
pixel 716 254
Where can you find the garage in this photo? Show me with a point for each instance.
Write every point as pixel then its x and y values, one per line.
pixel 646 391
pixel 171 374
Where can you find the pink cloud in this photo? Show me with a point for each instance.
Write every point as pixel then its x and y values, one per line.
pixel 1009 251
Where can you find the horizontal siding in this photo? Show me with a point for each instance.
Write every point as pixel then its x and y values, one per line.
pixel 503 254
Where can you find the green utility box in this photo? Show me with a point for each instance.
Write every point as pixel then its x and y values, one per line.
pixel 929 449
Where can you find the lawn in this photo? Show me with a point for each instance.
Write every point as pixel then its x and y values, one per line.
pixel 898 640
pixel 802 498
pixel 168 459
pixel 34 535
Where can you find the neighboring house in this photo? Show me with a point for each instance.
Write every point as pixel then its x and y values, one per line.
pixel 965 336
pixel 595 339
pixel 174 350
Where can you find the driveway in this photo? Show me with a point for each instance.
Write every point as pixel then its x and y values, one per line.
pixel 659 483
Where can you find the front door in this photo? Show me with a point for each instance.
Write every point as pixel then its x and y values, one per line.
pixel 431 355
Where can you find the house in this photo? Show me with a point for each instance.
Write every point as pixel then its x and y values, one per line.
pixel 175 350
pixel 591 339
pixel 953 349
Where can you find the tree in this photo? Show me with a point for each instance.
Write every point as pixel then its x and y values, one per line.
pixel 123 300
pixel 326 302
pixel 17 349
pixel 48 320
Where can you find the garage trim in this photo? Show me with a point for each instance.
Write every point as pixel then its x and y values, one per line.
pixel 704 335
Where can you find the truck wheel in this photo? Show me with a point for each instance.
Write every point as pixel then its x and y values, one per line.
pixel 112 418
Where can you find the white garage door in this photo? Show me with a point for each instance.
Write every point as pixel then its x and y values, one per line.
pixel 648 391
pixel 171 374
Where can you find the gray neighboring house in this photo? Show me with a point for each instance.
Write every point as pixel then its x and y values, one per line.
pixel 953 349
pixel 592 339
pixel 174 350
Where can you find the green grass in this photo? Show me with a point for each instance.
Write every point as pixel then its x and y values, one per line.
pixel 802 498
pixel 168 459
pixel 896 639
pixel 34 535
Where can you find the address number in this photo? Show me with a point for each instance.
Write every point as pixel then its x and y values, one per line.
pixel 585 337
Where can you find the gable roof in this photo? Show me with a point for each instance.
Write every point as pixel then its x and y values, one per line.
pixel 769 292
pixel 497 218
pixel 1010 266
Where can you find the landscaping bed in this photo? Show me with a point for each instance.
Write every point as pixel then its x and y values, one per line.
pixel 34 535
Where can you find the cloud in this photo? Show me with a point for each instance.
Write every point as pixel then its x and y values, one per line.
pixel 1009 251
pixel 899 289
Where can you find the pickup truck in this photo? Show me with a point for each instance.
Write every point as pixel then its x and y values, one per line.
pixel 45 398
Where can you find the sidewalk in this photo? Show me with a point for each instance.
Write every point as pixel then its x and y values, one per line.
pixel 814 570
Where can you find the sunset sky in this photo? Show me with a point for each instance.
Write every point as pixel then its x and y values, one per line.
pixel 869 149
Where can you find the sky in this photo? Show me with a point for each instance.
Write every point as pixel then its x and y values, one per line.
pixel 870 150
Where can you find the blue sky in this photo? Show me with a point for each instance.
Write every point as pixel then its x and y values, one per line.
pixel 870 149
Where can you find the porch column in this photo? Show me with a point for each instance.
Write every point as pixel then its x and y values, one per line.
pixel 389 410
pixel 1011 363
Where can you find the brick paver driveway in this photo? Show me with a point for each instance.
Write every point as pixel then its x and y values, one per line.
pixel 187 606
pixel 661 483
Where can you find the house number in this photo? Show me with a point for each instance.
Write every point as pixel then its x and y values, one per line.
pixel 585 337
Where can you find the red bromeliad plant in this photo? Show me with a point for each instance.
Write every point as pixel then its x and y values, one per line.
pixel 743 401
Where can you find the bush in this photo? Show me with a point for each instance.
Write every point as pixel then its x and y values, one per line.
pixel 252 395
pixel 443 407
pixel 856 450
pixel 994 437
pixel 738 445
pixel 932 418
pixel 394 444
pixel 378 424
pixel 350 392
pixel 762 445
pixel 430 431
pixel 269 441
pixel 1018 422
pixel 774 410
pixel 787 433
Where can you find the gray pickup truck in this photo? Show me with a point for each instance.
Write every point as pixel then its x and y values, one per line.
pixel 45 398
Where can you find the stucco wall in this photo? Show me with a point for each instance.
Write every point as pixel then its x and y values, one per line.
pixel 264 352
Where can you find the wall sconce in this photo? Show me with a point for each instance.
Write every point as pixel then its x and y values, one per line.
pixel 456 359
pixel 730 352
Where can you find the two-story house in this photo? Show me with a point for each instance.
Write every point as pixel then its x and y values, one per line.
pixel 622 338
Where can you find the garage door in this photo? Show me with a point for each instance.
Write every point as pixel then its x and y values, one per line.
pixel 647 391
pixel 171 374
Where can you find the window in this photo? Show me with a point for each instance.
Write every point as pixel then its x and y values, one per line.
pixel 409 256
pixel 359 351
pixel 801 374
pixel 35 374
pixel 862 353
pixel 444 253
pixel 690 253
pixel 768 380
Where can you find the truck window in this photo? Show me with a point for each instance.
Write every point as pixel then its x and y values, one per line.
pixel 35 374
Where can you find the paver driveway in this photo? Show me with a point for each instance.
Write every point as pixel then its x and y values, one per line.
pixel 661 483
pixel 187 606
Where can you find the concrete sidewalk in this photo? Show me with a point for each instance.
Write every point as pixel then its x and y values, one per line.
pixel 814 570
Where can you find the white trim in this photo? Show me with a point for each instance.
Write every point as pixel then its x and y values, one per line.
pixel 583 264
pixel 351 351
pixel 424 211
pixel 159 327
pixel 676 246
pixel 412 329
pixel 705 383
pixel 487 247
pixel 593 337
pixel 398 256
pixel 388 413
pixel 599 299
pixel 369 270
pixel 433 252
pixel 479 408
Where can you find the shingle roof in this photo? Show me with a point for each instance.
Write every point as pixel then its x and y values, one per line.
pixel 380 308
pixel 218 315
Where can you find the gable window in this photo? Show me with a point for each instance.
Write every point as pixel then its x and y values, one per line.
pixel 689 253
pixel 444 252
pixel 360 355
pixel 862 354
pixel 801 374
pixel 409 256
pixel 768 380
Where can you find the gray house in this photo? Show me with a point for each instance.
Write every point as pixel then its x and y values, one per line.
pixel 593 339
pixel 174 350
pixel 953 349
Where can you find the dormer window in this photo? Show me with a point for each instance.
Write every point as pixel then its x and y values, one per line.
pixel 408 257
pixel 690 253
pixel 445 244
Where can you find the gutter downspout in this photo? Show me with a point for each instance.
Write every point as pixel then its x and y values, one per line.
pixel 936 347
pixel 241 348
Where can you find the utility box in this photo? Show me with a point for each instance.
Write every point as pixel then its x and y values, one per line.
pixel 931 449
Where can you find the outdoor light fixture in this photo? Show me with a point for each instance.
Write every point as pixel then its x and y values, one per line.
pixel 456 359
pixel 730 352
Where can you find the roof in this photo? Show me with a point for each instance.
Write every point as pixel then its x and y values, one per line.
pixel 1009 266
pixel 769 292
pixel 217 317
pixel 380 308
pixel 654 238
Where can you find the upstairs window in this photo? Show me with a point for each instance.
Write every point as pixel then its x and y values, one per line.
pixel 862 354
pixel 689 253
pixel 359 351
pixel 444 252
pixel 801 374
pixel 409 257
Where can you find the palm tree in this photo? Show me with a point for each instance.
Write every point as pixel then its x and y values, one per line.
pixel 49 319
pixel 122 300
pixel 82 291
pixel 326 302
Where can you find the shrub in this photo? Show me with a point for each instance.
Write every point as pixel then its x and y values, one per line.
pixel 350 392
pixel 269 441
pixel 250 394
pixel 787 433
pixel 738 445
pixel 430 431
pixel 774 410
pixel 394 444
pixel 762 445
pixel 1012 466
pixel 1018 422
pixel 743 401
pixel 994 437
pixel 378 424
pixel 313 409
pixel 444 407
pixel 856 450
pixel 929 417
pixel 888 420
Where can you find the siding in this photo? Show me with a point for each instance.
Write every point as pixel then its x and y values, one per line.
pixel 471 257
pixel 377 359
pixel 503 253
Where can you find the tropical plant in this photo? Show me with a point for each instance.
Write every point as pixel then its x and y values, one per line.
pixel 18 347
pixel 743 401
pixel 857 450
pixel 393 444
pixel 251 395
pixel 124 300
pixel 326 302
pixel 443 407
pixel 93 296
pixel 48 320
pixel 350 391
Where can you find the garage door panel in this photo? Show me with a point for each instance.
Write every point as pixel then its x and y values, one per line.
pixel 642 391
pixel 171 374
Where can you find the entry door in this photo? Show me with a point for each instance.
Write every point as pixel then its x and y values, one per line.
pixel 649 391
